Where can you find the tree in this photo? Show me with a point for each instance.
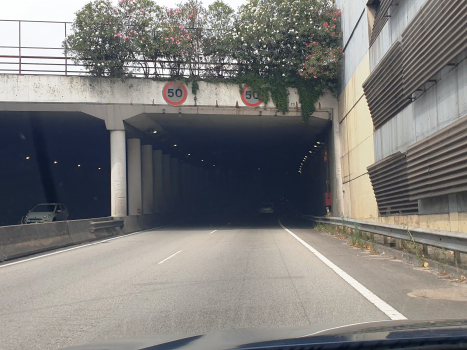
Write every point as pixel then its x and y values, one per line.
pixel 106 38
pixel 289 43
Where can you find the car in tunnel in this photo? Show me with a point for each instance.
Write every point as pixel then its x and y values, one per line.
pixel 266 208
pixel 46 212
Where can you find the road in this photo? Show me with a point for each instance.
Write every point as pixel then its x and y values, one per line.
pixel 199 279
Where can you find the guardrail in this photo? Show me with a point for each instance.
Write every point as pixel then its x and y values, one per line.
pixel 35 48
pixel 96 225
pixel 449 240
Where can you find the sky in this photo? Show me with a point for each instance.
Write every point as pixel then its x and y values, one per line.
pixel 63 10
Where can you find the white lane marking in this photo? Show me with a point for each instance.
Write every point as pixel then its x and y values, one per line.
pixel 392 313
pixel 213 231
pixel 81 246
pixel 347 325
pixel 163 261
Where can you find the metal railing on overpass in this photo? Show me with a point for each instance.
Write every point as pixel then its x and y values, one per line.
pixel 20 54
pixel 449 240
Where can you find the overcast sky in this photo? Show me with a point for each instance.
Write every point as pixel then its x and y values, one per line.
pixel 63 10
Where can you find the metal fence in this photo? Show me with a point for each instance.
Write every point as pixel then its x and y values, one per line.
pixel 449 240
pixel 36 48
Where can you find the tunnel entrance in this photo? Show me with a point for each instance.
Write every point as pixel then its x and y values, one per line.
pixel 53 157
pixel 273 159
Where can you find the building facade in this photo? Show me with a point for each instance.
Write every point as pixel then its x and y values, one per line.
pixel 402 123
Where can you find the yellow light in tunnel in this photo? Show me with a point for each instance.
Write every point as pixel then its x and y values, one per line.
pixel 319 143
pixel 175 145
pixel 79 165
pixel 189 154
pixel 55 162
pixel 98 168
pixel 315 146
pixel 27 158
pixel 154 132
pixel 310 151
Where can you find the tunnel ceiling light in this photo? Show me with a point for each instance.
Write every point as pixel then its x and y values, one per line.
pixel 154 131
pixel 315 146
pixel 79 165
pixel 310 152
pixel 189 154
pixel 55 162
pixel 259 168
pixel 27 158
pixel 98 168
pixel 175 145
pixel 214 165
pixel 202 160
pixel 319 143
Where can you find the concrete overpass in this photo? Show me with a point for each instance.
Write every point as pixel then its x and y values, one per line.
pixel 141 122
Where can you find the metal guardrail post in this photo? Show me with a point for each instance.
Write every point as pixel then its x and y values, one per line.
pixel 19 45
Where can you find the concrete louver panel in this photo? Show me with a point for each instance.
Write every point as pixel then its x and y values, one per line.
pixel 380 20
pixel 436 35
pixel 437 165
pixel 391 186
pixel 384 87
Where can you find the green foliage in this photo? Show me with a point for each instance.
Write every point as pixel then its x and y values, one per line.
pixel 270 44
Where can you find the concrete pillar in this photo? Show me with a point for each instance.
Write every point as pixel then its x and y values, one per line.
pixel 135 200
pixel 147 179
pixel 158 182
pixel 338 201
pixel 174 182
pixel 187 196
pixel 183 184
pixel 118 205
pixel 166 182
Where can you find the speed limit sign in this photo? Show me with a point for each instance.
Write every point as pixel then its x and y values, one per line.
pixel 250 98
pixel 174 93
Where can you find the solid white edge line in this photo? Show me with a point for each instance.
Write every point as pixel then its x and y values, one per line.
pixel 80 246
pixel 213 231
pixel 392 313
pixel 161 262
pixel 347 325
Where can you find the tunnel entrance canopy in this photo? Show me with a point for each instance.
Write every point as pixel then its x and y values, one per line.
pixel 240 142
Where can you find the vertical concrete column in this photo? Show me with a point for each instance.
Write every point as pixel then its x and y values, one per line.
pixel 166 182
pixel 135 201
pixel 118 200
pixel 338 202
pixel 174 182
pixel 188 187
pixel 158 182
pixel 147 179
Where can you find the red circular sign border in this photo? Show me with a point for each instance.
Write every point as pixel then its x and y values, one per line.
pixel 247 103
pixel 164 92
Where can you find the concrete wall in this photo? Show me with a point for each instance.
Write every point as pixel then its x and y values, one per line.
pixel 361 146
pixel 442 104
pixel 90 90
pixel 21 240
pixel 401 16
pixel 356 140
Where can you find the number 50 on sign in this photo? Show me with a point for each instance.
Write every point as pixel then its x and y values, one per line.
pixel 174 93
pixel 250 98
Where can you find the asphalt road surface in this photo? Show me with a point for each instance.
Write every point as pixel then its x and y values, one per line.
pixel 198 279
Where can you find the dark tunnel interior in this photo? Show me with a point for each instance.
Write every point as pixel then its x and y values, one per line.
pixel 65 158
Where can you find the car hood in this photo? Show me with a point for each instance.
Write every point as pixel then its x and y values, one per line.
pixel 37 215
pixel 319 334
